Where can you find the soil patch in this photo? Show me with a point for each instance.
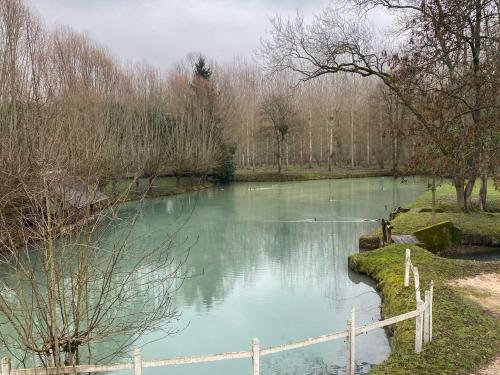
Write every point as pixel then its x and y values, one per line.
pixel 483 289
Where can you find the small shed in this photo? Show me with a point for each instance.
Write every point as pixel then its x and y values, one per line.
pixel 72 198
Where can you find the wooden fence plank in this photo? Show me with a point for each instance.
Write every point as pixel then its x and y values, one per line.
pixel 417 284
pixel 5 366
pixel 430 309
pixel 418 327
pixel 255 357
pixel 426 317
pixel 137 362
pixel 386 322
pixel 303 343
pixel 407 267
pixel 197 359
pixel 351 344
pixel 73 370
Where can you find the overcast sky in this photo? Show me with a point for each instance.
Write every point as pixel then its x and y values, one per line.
pixel 165 31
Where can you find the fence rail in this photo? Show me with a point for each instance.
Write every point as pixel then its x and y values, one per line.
pixel 423 333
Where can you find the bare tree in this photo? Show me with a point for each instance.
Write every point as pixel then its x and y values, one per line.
pixel 438 73
pixel 61 296
pixel 278 112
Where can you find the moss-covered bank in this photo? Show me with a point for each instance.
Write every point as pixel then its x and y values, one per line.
pixel 465 337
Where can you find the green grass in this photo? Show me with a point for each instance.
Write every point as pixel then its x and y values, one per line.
pixel 303 173
pixel 465 337
pixel 472 223
pixel 446 199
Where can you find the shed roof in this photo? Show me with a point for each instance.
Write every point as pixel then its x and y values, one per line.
pixel 74 191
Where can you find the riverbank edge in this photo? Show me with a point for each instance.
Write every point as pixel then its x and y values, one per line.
pixel 177 191
pixel 465 337
pixel 305 175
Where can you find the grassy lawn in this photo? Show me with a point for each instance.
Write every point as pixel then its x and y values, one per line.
pixel 477 223
pixel 474 222
pixel 465 337
pixel 303 173
pixel 446 198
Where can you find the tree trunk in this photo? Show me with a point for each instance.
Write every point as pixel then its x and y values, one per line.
pixel 395 154
pixel 483 190
pixel 433 199
pixel 287 156
pixel 310 141
pixel 267 151
pixel 278 155
pixel 464 191
pixel 353 99
pixel 381 140
pixel 330 148
pixel 321 146
pixel 395 135
pixel 368 161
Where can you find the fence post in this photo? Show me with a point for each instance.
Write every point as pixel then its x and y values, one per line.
pixel 407 267
pixel 5 366
pixel 348 370
pixel 255 357
pixel 351 344
pixel 427 298
pixel 137 362
pixel 418 327
pixel 417 284
pixel 431 297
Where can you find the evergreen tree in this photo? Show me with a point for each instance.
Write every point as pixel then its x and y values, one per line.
pixel 201 69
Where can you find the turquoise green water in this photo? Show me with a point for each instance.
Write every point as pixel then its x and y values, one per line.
pixel 267 260
pixel 271 263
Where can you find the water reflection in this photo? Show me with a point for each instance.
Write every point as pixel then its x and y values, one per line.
pixel 268 261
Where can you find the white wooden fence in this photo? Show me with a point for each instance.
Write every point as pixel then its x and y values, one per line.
pixel 423 333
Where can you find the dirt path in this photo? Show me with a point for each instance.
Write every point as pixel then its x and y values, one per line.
pixel 485 290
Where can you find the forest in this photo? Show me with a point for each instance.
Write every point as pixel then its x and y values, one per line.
pixel 70 104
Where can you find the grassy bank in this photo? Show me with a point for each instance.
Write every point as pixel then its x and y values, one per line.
pixel 303 173
pixel 446 198
pixel 475 223
pixel 465 337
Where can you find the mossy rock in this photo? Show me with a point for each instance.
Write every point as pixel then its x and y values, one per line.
pixel 369 242
pixel 439 237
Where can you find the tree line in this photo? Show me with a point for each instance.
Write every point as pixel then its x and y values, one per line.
pixel 443 67
pixel 66 103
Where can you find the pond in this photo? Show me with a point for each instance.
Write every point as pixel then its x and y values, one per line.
pixel 267 261
pixel 270 261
